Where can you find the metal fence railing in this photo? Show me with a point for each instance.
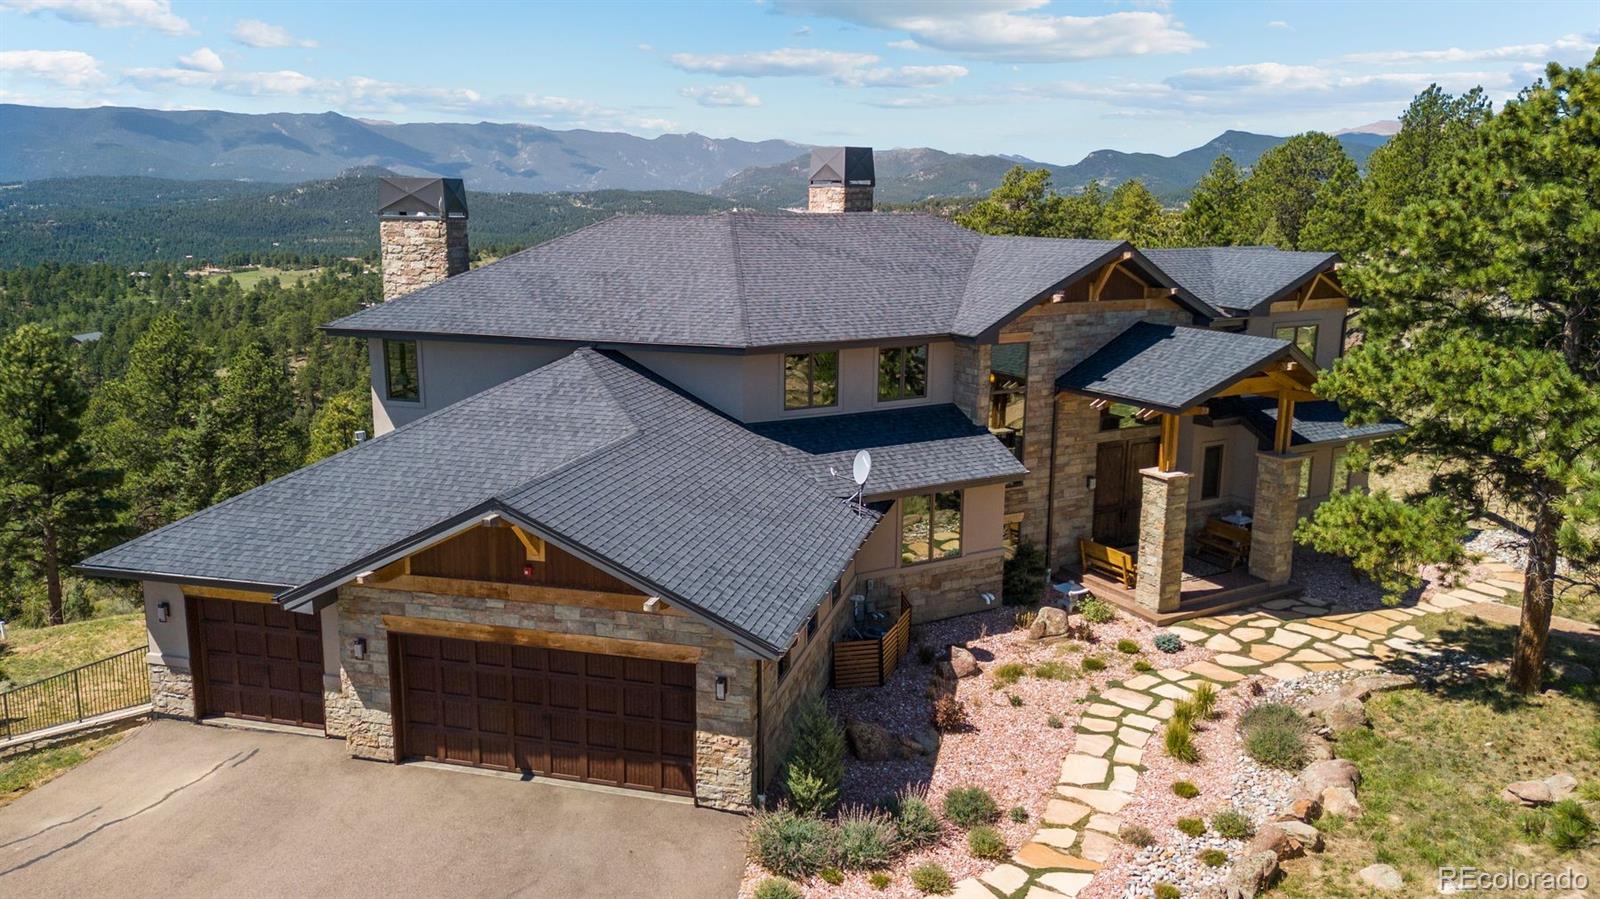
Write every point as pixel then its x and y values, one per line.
pixel 98 688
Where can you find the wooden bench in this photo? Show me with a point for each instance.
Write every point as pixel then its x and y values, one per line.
pixel 1113 563
pixel 1228 542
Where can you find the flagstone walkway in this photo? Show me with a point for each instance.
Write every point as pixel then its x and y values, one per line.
pixel 1282 640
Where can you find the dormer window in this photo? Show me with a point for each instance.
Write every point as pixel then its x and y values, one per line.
pixel 400 378
pixel 902 372
pixel 811 380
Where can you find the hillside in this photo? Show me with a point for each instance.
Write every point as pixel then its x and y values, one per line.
pixel 43 142
pixel 132 220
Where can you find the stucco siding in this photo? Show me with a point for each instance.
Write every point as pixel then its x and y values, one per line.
pixel 451 371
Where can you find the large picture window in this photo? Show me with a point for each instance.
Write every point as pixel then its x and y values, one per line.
pixel 400 378
pixel 811 380
pixel 930 527
pixel 902 372
pixel 1302 336
pixel 1008 394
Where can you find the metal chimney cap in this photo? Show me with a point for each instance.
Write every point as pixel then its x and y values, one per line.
pixel 842 165
pixel 432 198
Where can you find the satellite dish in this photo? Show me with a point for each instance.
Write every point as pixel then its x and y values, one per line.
pixel 862 467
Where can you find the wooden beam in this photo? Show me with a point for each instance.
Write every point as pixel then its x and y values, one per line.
pixel 1168 458
pixel 531 593
pixel 226 593
pixel 517 636
pixel 1259 385
pixel 1284 435
pixel 1099 283
pixel 534 545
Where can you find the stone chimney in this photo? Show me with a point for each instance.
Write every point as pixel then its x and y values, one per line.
pixel 422 232
pixel 841 180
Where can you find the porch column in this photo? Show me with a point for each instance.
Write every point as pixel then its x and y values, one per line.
pixel 1277 510
pixel 1163 515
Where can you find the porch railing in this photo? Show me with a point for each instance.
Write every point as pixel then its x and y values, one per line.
pixel 103 686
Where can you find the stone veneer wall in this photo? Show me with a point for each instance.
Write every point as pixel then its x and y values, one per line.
pixel 945 589
pixel 839 198
pixel 417 252
pixel 1163 511
pixel 809 675
pixel 1276 513
pixel 971 392
pixel 724 775
pixel 171 691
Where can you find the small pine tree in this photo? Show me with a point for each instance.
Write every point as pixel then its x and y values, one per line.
pixel 1025 574
pixel 815 767
pixel 333 427
pixel 256 438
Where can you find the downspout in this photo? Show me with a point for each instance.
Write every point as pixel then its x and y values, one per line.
pixel 1050 497
pixel 756 782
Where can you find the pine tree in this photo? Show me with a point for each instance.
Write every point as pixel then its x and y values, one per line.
pixel 1135 215
pixel 55 501
pixel 1283 186
pixel 256 440
pixel 1216 214
pixel 1025 204
pixel 1434 129
pixel 1337 220
pixel 333 427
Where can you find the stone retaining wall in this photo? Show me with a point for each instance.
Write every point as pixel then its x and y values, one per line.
pixel 171 691
pixel 945 589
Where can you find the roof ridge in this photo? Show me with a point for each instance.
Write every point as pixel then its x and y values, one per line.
pixel 743 326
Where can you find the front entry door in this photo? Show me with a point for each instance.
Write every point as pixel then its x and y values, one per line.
pixel 1118 490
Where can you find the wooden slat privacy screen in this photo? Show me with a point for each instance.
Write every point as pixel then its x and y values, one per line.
pixel 869 663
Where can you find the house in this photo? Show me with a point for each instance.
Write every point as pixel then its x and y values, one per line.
pixel 606 530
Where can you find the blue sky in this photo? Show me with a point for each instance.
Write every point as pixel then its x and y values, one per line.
pixel 1048 80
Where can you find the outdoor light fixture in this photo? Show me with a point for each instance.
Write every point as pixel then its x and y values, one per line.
pixel 358 647
pixel 163 611
pixel 722 687
pixel 527 569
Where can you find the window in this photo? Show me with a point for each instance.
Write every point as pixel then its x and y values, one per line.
pixel 811 624
pixel 1211 472
pixel 1341 470
pixel 1011 536
pixel 811 380
pixel 930 527
pixel 1302 336
pixel 786 659
pixel 1008 394
pixel 1305 477
pixel 400 371
pixel 902 372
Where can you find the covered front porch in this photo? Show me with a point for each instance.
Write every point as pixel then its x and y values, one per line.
pixel 1175 569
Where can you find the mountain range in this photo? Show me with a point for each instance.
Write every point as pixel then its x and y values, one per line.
pixel 43 142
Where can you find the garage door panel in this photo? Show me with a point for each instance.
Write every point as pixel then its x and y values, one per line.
pixel 578 716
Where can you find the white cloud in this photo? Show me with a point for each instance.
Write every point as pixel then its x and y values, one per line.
pixel 67 68
pixel 156 14
pixel 256 33
pixel 731 94
pixel 1009 29
pixel 847 69
pixel 202 60
pixel 285 82
pixel 1278 23
pixel 1561 47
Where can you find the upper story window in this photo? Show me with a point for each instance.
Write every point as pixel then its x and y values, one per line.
pixel 1008 394
pixel 811 380
pixel 400 378
pixel 1211 472
pixel 930 527
pixel 902 372
pixel 1302 336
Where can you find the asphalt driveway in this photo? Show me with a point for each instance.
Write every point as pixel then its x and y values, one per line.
pixel 182 810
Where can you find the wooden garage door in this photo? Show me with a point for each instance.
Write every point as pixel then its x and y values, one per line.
pixel 259 662
pixel 579 716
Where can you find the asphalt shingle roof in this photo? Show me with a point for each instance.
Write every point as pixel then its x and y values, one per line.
pixel 1169 367
pixel 912 448
pixel 1239 279
pixel 1315 421
pixel 591 450
pixel 742 281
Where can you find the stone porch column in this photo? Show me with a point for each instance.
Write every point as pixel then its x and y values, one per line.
pixel 1277 510
pixel 1163 515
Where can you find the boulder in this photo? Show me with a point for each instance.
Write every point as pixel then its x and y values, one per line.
pixel 1561 786
pixel 944 671
pixel 871 742
pixel 1381 877
pixel 928 739
pixel 1274 839
pixel 962 662
pixel 1341 802
pixel 1309 838
pixel 1529 793
pixel 1346 715
pixel 1250 875
pixel 1049 621
pixel 1319 776
pixel 1363 687
pixel 1302 808
pixel 1318 749
pixel 1571 673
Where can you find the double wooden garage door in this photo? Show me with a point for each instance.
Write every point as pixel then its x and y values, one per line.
pixel 578 716
pixel 258 662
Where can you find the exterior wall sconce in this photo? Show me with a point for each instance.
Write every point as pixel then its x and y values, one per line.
pixel 722 687
pixel 527 569
pixel 358 647
pixel 1089 482
pixel 163 612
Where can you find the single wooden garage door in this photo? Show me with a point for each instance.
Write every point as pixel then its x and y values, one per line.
pixel 578 716
pixel 259 662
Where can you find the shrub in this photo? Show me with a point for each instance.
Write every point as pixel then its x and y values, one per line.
pixel 1191 826
pixel 1136 835
pixel 1590 790
pixel 866 840
pixel 1532 823
pixel 1015 700
pixel 1054 721
pixel 1179 741
pixel 986 843
pixel 948 714
pixel 1052 670
pixel 1095 610
pixel 1204 699
pixel 1275 736
pixel 1094 663
pixel 1008 674
pixel 1185 713
pixel 1213 858
pixel 968 807
pixel 1166 890
pixel 1232 824
pixel 879 880
pixel 831 875
pixel 1023 619
pixel 777 888
pixel 1128 647
pixel 1169 642
pixel 926 654
pixel 1018 814
pixel 1023 579
pixel 930 878
pixel 1141 666
pixel 816 760
pixel 1185 790
pixel 1270 713
pixel 915 821
pixel 1570 825
pixel 790 844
